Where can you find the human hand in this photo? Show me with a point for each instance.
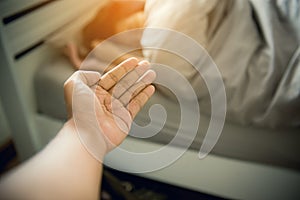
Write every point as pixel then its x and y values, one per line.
pixel 103 108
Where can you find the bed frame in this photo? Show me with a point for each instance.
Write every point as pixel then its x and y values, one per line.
pixel 24 29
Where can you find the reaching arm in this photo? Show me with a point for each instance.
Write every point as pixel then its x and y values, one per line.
pixel 70 167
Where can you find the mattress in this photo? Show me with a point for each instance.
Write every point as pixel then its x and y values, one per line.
pixel 278 147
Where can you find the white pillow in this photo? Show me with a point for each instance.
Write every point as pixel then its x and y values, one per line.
pixel 186 16
pixel 190 17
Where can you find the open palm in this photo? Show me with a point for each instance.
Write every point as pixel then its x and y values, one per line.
pixel 111 102
pixel 122 92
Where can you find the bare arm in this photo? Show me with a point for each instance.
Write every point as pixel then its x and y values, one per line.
pixel 65 169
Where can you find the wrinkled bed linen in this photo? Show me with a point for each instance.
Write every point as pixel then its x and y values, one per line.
pixel 255 45
pixel 246 59
pixel 246 143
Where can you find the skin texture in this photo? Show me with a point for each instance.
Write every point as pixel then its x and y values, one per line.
pixel 64 169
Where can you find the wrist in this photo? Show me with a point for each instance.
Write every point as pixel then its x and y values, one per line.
pixel 66 157
pixel 90 143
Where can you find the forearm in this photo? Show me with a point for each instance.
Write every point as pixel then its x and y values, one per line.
pixel 63 170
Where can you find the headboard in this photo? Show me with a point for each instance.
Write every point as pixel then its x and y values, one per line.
pixel 24 30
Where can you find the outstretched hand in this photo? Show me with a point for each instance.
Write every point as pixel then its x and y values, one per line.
pixel 103 108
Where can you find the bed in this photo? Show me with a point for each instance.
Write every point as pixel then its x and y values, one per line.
pixel 246 163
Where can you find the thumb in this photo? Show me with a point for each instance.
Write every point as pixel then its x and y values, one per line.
pixel 79 78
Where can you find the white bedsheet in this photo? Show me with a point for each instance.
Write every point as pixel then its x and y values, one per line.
pixel 255 46
pixel 246 61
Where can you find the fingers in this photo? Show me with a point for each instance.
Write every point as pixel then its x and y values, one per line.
pixel 130 79
pixel 139 100
pixel 136 88
pixel 109 79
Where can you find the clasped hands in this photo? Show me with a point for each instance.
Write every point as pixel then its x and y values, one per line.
pixel 102 108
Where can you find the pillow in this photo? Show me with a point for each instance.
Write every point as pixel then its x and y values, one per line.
pixel 190 17
pixel 186 16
